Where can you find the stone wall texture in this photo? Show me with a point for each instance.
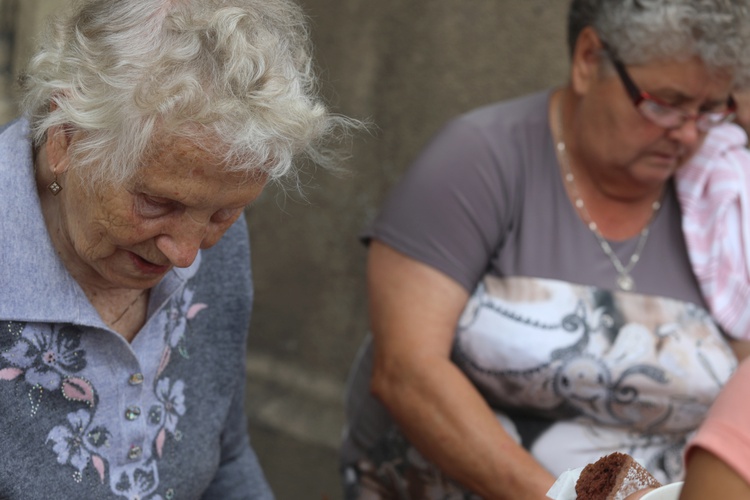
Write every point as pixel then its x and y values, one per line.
pixel 407 66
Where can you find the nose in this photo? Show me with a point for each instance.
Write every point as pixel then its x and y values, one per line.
pixel 687 134
pixel 181 242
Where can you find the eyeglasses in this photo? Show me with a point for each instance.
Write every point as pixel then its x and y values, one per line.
pixel 665 115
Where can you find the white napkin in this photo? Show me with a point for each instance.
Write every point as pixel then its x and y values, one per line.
pixel 565 486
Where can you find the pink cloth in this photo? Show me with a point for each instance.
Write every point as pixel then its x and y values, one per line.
pixel 726 430
pixel 713 188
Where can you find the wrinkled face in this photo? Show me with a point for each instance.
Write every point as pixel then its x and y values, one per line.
pixel 130 236
pixel 629 147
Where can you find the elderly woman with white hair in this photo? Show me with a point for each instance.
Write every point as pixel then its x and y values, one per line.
pixel 148 127
pixel 535 301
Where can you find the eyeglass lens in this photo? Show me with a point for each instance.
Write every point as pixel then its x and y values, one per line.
pixel 669 117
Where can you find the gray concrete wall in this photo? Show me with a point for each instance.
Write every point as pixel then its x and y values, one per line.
pixel 407 65
pixel 8 16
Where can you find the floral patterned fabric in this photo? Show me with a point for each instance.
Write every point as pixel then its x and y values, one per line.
pixel 616 370
pixel 573 373
pixel 84 414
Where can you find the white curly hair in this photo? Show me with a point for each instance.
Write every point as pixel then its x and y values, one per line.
pixel 235 76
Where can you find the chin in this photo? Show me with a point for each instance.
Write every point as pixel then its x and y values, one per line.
pixel 117 275
pixel 656 173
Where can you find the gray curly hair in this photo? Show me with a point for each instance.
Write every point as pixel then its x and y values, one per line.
pixel 235 76
pixel 643 31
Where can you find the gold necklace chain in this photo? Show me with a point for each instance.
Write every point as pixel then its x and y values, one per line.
pixel 624 278
pixel 112 324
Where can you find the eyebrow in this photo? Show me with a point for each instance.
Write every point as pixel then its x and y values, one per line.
pixel 676 98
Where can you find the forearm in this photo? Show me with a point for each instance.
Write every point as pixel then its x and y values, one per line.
pixel 449 422
pixel 414 310
pixel 708 477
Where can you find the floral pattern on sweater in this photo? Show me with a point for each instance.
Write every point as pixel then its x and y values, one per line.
pixel 48 358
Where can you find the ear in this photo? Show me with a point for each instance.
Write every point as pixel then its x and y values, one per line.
pixel 58 140
pixel 586 61
pixel 56 146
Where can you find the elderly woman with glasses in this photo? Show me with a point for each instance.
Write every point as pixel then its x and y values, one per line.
pixel 533 301
pixel 125 287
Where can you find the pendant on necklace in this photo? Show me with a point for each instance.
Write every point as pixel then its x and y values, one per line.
pixel 625 282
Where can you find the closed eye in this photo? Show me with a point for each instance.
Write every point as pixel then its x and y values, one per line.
pixel 225 215
pixel 154 206
pixel 713 107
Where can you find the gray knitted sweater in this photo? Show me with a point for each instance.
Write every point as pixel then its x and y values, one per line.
pixel 83 413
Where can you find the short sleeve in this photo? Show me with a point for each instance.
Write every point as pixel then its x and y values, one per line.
pixel 725 432
pixel 452 208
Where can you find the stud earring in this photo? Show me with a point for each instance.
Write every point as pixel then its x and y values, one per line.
pixel 55 187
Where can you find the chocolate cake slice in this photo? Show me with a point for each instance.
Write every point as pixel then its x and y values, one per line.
pixel 613 477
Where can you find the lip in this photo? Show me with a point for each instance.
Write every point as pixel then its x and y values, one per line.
pixel 146 266
pixel 666 158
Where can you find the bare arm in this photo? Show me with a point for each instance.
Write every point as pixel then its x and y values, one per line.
pixel 708 477
pixel 741 348
pixel 721 435
pixel 716 459
pixel 414 311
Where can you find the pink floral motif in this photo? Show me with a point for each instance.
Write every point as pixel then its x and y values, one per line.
pixel 98 463
pixel 46 356
pixel 164 360
pixel 51 357
pixel 78 389
pixel 195 309
pixel 10 373
pixel 160 441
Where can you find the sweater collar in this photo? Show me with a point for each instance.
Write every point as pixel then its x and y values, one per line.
pixel 35 286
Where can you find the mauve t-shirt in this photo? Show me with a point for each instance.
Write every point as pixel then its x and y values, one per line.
pixel 486 195
pixel 574 367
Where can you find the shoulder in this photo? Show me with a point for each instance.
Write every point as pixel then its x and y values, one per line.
pixel 15 160
pixel 479 159
pixel 225 267
pixel 15 145
pixel 6 126
pixel 495 134
pixel 233 247
pixel 14 135
pixel 223 286
pixel 512 118
pixel 502 139
pixel 514 110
